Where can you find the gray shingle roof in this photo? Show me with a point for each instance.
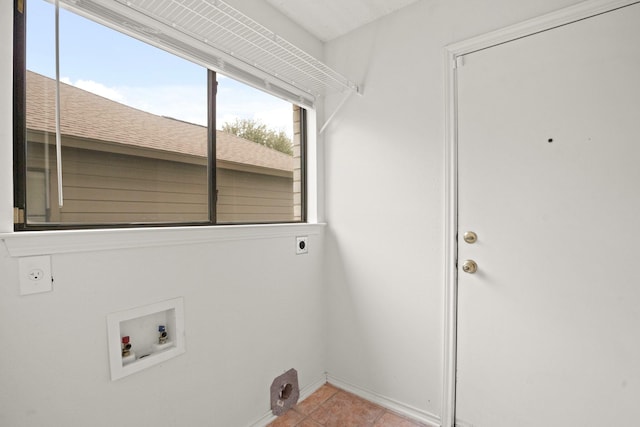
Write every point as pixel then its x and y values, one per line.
pixel 90 116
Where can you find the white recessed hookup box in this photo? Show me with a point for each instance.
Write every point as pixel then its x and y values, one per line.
pixel 145 336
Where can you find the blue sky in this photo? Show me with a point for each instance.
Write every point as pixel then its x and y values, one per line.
pixel 103 61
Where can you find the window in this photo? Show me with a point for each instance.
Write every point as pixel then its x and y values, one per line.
pixel 117 132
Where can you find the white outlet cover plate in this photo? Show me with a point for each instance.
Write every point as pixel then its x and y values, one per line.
pixel 302 245
pixel 35 274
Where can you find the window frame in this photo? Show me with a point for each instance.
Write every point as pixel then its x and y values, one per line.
pixel 20 150
pixel 19 109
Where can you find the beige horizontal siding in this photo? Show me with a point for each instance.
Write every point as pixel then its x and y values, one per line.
pixel 97 218
pixel 119 207
pixel 124 195
pixel 249 197
pixel 241 202
pixel 239 218
pixel 102 187
pixel 140 184
pixel 236 191
pixel 109 165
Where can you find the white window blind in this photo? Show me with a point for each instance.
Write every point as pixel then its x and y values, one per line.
pixel 215 35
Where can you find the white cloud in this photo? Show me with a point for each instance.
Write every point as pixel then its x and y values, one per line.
pixel 226 118
pixel 189 102
pixel 242 102
pixel 182 102
pixel 98 88
pixel 277 118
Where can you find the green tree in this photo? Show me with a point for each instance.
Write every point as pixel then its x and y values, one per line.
pixel 256 131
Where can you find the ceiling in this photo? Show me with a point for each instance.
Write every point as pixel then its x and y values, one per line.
pixel 328 19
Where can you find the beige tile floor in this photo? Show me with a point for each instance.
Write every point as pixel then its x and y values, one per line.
pixel 331 407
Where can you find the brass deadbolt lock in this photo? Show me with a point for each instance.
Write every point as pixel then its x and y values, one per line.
pixel 469 266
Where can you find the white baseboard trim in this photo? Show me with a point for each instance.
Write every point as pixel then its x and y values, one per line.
pixel 304 393
pixel 385 402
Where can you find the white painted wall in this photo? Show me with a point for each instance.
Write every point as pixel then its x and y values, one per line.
pixel 253 310
pixel 384 167
pixel 381 280
pixel 274 20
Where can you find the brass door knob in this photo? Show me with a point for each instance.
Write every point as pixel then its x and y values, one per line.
pixel 469 266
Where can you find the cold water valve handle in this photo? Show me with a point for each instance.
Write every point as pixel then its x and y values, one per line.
pixel 162 337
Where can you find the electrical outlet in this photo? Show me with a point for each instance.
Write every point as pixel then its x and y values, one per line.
pixel 35 274
pixel 302 246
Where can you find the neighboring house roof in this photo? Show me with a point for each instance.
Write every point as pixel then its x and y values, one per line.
pixel 90 116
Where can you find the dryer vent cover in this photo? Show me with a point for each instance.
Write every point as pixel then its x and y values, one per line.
pixel 284 392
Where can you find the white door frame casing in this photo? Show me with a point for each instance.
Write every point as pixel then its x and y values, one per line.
pixel 453 58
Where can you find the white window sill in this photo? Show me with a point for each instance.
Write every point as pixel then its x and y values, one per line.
pixel 31 243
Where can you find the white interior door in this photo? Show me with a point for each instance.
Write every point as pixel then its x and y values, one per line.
pixel 549 179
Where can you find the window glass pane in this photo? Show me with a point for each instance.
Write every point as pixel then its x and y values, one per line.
pixel 134 136
pixel 38 199
pixel 133 126
pixel 258 156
